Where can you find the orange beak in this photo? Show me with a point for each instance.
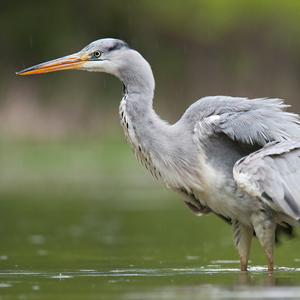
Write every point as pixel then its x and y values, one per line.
pixel 69 62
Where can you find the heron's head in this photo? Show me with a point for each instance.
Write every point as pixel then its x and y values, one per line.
pixel 108 55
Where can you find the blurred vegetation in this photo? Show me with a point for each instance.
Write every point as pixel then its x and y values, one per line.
pixel 196 48
pixel 54 128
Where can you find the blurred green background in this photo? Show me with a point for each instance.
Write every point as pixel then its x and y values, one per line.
pixel 196 48
pixel 60 132
pixel 72 194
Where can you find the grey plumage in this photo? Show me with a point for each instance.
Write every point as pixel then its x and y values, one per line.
pixel 236 157
pixel 255 121
pixel 272 174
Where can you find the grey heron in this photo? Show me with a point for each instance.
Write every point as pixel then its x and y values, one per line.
pixel 235 157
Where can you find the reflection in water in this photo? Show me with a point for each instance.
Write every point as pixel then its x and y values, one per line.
pixel 244 285
pixel 152 272
pixel 217 292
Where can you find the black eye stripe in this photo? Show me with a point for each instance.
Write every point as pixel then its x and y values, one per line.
pixel 117 46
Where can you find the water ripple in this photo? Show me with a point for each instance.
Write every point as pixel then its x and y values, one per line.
pixel 150 272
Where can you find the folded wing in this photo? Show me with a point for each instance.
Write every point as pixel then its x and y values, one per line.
pixel 272 174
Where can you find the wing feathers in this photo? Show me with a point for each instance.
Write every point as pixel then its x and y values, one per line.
pixel 273 175
pixel 249 121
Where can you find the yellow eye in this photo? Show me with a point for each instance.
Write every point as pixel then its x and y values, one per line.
pixel 97 54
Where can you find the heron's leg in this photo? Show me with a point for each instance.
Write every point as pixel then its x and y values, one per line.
pixel 264 226
pixel 242 237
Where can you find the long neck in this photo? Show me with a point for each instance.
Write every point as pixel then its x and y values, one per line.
pixel 143 128
pixel 136 106
pixel 165 150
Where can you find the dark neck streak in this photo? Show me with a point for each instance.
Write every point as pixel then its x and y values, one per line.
pixel 124 89
pixel 142 115
pixel 166 151
pixel 143 128
pixel 151 138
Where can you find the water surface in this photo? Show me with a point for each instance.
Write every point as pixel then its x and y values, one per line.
pixel 85 221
